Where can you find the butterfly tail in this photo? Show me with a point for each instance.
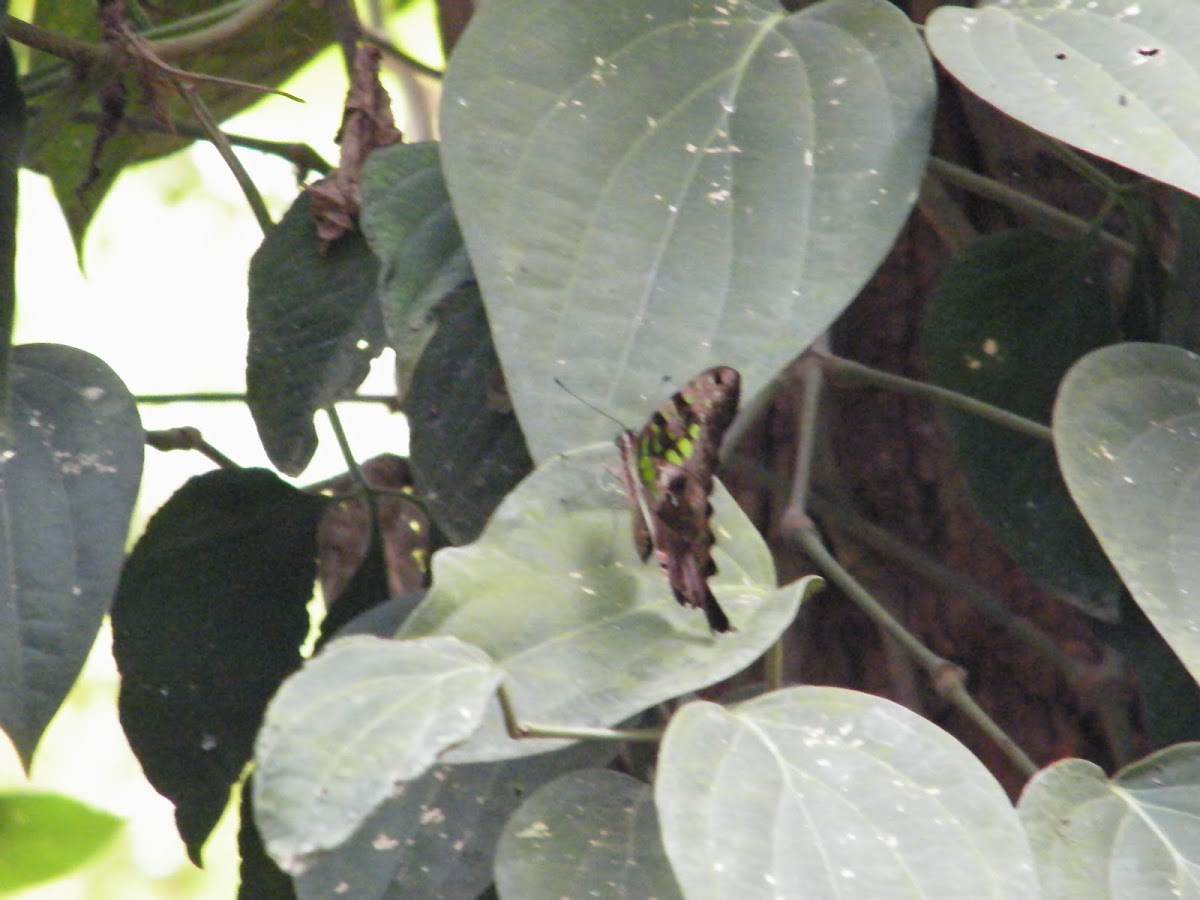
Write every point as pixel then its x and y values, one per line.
pixel 689 583
pixel 717 620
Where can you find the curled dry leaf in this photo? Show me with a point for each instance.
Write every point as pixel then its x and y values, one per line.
pixel 344 534
pixel 367 123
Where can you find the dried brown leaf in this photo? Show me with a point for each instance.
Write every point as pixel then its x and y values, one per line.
pixel 345 532
pixel 367 123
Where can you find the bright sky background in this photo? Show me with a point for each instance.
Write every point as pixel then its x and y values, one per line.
pixel 164 303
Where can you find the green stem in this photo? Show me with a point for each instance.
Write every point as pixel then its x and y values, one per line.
pixel 948 679
pixel 1031 207
pixel 343 443
pixel 212 130
pixel 774 665
pixel 188 438
pixel 850 370
pixel 236 397
pixel 518 730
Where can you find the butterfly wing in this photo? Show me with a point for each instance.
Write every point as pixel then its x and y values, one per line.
pixel 635 489
pixel 668 474
pixel 685 540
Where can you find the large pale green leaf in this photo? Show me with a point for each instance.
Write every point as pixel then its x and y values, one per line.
pixel 365 715
pixel 1135 835
pixel 436 837
pixel 587 634
pixel 407 220
pixel 1011 313
pixel 70 467
pixel 64 128
pixel 1117 78
pixel 588 834
pixel 825 792
pixel 1127 433
pixel 650 186
pixel 45 836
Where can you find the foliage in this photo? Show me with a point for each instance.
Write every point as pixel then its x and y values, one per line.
pixel 627 191
pixel 32 826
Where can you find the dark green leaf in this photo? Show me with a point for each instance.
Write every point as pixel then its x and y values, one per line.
pixel 267 55
pixel 1134 835
pixel 437 837
pixel 587 834
pixel 69 474
pixel 407 220
pixel 315 326
pixel 1168 694
pixel 357 720
pixel 259 877
pixel 208 621
pixel 826 792
pixel 1010 315
pixel 467 448
pixel 648 187
pixel 45 836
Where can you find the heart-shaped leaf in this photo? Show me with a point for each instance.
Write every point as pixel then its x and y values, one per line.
pixel 1127 433
pixel 200 651
pixel 1116 78
pixel 407 220
pixel 69 474
pixel 825 792
pixel 587 834
pixel 650 186
pixel 363 716
pixel 315 325
pixel 1135 835
pixel 586 633
pixel 1011 313
pixel 46 835
pixel 467 448
pixel 437 836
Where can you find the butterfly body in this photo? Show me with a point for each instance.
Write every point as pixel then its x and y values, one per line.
pixel 668 470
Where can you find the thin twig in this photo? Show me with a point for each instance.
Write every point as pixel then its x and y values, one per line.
pixel 1030 206
pixel 237 397
pixel 85 53
pixel 941 578
pixel 393 52
pixel 948 679
pixel 848 370
pixel 302 156
pixel 813 388
pixel 212 130
pixel 82 53
pixel 188 438
pixel 343 442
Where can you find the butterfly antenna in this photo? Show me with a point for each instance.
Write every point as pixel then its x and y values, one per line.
pixel 590 405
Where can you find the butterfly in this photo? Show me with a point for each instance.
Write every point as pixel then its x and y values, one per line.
pixel 667 470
